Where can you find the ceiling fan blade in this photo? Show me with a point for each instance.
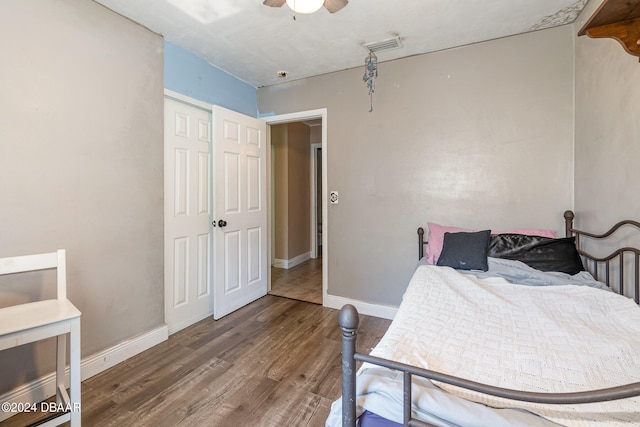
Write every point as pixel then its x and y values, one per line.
pixel 334 5
pixel 273 3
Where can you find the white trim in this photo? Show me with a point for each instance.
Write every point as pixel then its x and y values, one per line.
pixel 44 387
pixel 120 352
pixel 320 113
pixel 180 326
pixel 383 311
pixel 187 100
pixel 290 263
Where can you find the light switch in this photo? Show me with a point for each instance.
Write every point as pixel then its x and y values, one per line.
pixel 333 197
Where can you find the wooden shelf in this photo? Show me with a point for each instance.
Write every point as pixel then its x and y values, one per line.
pixel 617 19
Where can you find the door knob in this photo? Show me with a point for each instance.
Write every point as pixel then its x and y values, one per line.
pixel 222 223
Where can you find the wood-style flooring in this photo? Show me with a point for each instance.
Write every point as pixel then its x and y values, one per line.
pixel 302 282
pixel 275 362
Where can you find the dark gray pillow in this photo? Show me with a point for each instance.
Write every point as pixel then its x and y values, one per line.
pixel 549 255
pixel 465 251
pixel 506 244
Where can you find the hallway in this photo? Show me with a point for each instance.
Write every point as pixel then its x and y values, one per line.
pixel 302 282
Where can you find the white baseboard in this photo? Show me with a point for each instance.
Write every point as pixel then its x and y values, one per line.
pixel 377 310
pixel 110 357
pixel 290 263
pixel 181 325
pixel 44 387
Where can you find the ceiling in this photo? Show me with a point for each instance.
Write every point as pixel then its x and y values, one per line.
pixel 254 42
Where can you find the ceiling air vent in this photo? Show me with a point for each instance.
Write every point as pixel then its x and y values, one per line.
pixel 388 44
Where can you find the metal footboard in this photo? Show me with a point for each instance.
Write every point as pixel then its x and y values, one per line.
pixel 349 320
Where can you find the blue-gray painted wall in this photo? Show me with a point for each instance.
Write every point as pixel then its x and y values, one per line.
pixel 190 75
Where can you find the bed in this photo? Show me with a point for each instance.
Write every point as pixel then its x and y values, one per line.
pixel 503 329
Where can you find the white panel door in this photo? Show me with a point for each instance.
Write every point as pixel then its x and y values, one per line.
pixel 187 177
pixel 240 211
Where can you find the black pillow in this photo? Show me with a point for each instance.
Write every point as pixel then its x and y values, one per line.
pixel 465 251
pixel 505 245
pixel 550 255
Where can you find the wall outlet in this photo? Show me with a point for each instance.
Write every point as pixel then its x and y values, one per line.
pixel 333 197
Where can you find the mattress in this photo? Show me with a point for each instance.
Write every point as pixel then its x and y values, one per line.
pixel 560 338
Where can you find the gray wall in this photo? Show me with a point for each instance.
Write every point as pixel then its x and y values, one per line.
pixel 607 141
pixel 292 189
pixel 479 136
pixel 607 148
pixel 81 165
pixel 280 193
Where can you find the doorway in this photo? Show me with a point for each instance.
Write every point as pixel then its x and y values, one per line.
pixel 298 230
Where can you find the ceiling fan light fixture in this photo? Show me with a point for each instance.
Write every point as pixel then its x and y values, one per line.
pixel 305 6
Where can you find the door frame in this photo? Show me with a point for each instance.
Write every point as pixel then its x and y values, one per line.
pixel 320 113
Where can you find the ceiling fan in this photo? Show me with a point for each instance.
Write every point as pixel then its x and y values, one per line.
pixel 308 6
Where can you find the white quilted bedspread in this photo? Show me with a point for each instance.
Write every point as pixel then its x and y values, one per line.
pixel 544 339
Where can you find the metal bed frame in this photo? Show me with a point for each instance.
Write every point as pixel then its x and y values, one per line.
pixel 349 320
pixel 618 256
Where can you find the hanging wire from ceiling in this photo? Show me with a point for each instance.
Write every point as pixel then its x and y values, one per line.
pixel 370 74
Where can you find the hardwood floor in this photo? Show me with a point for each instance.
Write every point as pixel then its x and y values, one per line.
pixel 275 362
pixel 302 282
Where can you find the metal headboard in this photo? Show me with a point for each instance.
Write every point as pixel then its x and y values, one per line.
pixel 612 263
pixel 421 243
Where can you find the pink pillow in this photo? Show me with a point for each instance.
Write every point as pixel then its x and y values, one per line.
pixel 436 237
